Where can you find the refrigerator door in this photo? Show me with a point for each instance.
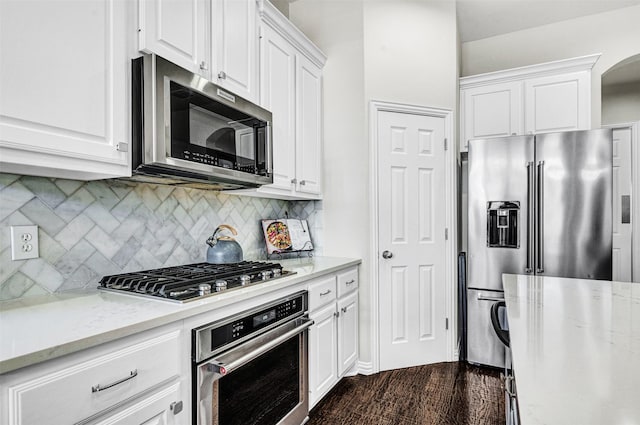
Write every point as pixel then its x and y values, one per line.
pixel 574 204
pixel 483 345
pixel 500 179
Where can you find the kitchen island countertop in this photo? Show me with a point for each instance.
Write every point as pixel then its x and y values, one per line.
pixel 37 329
pixel 576 349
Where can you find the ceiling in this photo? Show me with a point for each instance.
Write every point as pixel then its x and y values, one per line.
pixel 478 19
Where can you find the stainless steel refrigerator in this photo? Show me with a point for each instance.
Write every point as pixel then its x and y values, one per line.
pixel 537 205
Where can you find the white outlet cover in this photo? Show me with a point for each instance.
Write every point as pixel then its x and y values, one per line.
pixel 24 242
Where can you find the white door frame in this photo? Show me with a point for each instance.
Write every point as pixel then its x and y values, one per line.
pixel 635 195
pixel 450 210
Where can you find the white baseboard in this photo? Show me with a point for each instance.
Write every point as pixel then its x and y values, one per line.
pixel 364 368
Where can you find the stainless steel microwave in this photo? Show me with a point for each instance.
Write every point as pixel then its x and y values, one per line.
pixel 189 131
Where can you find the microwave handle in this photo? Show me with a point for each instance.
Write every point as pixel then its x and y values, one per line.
pixel 268 150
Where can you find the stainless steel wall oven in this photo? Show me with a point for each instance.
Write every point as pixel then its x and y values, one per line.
pixel 252 368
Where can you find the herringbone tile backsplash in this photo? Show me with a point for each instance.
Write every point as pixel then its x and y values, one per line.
pixel 91 229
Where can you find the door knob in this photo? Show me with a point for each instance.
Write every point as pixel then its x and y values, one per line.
pixel 387 254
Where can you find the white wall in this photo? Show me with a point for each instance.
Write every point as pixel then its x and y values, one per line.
pixel 388 50
pixel 615 34
pixel 620 103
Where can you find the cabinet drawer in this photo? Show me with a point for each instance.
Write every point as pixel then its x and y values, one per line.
pixel 347 281
pixel 84 389
pixel 322 291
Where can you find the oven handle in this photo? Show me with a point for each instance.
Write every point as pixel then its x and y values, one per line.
pixel 233 359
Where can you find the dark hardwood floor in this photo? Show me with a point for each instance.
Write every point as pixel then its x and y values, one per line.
pixel 442 394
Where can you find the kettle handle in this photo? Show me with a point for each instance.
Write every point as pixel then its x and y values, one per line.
pixel 226 226
pixel 212 239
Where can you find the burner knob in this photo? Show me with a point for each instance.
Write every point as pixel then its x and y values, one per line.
pixel 204 289
pixel 221 285
pixel 266 274
pixel 276 272
pixel 244 279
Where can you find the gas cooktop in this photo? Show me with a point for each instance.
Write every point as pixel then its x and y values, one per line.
pixel 193 281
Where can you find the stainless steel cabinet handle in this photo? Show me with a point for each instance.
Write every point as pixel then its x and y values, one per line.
pixel 530 216
pixel 540 266
pixel 204 66
pixel 387 254
pixel 98 388
pixel 344 309
pixel 176 407
pixel 485 298
pixel 294 181
pixel 352 281
pixel 508 386
pixel 336 314
pixel 327 292
pixel 303 182
pixel 222 75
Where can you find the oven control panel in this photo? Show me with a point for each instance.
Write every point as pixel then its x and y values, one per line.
pixel 247 324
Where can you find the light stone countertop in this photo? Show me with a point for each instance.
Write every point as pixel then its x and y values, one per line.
pixel 41 328
pixel 576 349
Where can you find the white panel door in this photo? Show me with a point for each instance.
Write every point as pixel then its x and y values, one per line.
pixel 308 131
pixel 491 111
pixel 558 103
pixel 177 30
pixel 277 87
pixel 411 181
pixel 622 263
pixel 235 46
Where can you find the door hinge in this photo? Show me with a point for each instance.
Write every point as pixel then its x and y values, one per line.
pixel 446 234
pixel 446 323
pixel 446 145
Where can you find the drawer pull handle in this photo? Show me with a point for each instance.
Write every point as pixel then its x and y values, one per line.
pixel 351 282
pixel 344 309
pixel 327 292
pixel 98 388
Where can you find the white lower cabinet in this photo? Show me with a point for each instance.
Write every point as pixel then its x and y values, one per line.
pixel 134 381
pixel 333 338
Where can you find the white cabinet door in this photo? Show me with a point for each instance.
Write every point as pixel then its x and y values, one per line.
pixel 322 353
pixel 156 409
pixel 177 30
pixel 308 131
pixel 491 111
pixel 278 96
pixel 347 332
pixel 235 46
pixel 64 79
pixel 558 103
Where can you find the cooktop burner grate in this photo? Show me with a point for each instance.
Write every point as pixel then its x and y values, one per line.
pixel 192 281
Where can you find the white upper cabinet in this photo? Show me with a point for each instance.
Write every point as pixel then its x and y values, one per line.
pixel 177 30
pixel 548 97
pixel 558 103
pixel 65 84
pixel 492 111
pixel 234 46
pixel 309 127
pixel 291 88
pixel 277 88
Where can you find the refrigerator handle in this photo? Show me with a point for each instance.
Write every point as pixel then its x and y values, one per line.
pixel 530 216
pixel 540 230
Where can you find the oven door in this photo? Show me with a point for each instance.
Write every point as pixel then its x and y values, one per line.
pixel 263 381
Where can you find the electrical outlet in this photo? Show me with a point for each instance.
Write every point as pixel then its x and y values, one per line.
pixel 24 242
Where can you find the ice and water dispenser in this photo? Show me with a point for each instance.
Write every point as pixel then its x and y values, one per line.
pixel 502 224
